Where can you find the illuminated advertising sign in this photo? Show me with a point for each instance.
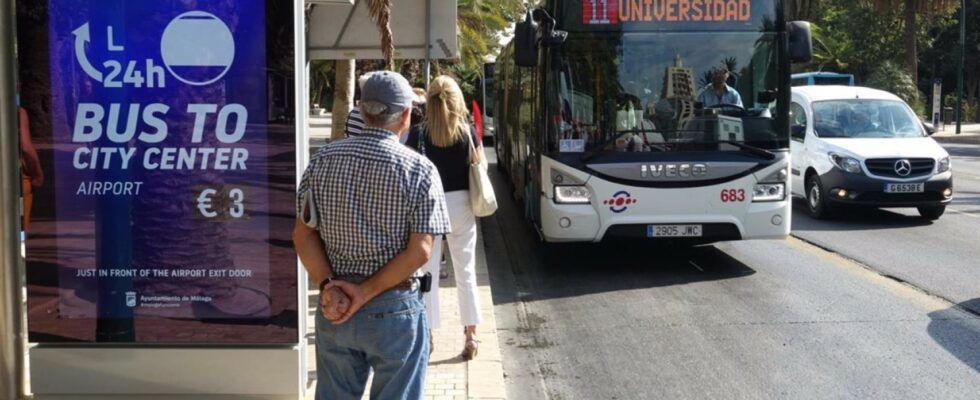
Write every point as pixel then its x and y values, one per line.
pixel 166 141
pixel 672 14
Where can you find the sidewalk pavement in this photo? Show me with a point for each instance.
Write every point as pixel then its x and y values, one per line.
pixel 448 376
pixel 969 134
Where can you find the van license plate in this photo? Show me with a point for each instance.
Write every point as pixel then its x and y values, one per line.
pixel 905 187
pixel 662 231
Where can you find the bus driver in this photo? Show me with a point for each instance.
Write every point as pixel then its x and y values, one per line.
pixel 719 92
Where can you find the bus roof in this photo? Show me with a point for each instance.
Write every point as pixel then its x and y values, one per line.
pixel 821 74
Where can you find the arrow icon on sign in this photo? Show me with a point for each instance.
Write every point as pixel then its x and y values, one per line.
pixel 82 36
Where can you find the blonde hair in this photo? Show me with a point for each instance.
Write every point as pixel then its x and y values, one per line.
pixel 446 116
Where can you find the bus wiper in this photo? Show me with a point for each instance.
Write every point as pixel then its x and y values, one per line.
pixel 758 151
pixel 599 149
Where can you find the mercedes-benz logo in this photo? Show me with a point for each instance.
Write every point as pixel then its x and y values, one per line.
pixel 903 167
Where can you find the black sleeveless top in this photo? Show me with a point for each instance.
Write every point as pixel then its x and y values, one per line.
pixel 452 162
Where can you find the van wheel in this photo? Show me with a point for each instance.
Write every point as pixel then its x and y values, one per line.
pixel 816 203
pixel 932 213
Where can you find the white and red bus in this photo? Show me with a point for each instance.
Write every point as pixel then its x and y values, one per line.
pixel 650 119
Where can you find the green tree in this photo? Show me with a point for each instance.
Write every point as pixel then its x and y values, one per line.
pixel 912 11
pixel 831 50
pixel 891 78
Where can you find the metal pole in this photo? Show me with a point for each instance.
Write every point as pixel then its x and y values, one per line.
pixel 11 266
pixel 959 69
pixel 428 42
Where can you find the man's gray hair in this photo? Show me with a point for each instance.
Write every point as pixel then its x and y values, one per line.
pixel 377 115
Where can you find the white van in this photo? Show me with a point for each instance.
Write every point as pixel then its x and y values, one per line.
pixel 860 146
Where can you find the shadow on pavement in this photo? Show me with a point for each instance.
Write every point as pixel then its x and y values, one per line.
pixel 854 219
pixel 958 331
pixel 523 268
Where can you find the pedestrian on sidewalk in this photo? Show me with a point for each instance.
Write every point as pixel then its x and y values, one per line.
pixel 444 137
pixel 368 209
pixel 354 124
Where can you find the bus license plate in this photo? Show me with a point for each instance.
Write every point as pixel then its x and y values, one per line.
pixel 662 231
pixel 905 187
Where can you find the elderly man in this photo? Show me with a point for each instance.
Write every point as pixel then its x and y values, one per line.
pixel 368 209
pixel 718 92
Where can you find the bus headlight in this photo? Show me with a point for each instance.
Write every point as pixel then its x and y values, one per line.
pixel 765 192
pixel 943 165
pixel 572 195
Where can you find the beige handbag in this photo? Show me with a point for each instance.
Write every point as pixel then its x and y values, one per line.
pixel 482 199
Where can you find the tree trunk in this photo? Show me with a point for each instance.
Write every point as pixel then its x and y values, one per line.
pixel 911 50
pixel 343 96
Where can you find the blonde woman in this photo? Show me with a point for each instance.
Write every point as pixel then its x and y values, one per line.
pixel 444 137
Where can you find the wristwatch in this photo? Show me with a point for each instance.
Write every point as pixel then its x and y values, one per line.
pixel 324 282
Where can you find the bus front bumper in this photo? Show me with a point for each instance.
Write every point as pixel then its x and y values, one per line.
pixel 582 223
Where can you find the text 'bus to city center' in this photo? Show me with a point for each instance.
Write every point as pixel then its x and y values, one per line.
pixel 650 119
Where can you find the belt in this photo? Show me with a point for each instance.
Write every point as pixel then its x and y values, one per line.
pixel 407 284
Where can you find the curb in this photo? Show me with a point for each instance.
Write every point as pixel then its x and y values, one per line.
pixel 958 139
pixel 485 374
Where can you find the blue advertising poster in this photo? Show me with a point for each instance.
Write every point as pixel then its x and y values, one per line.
pixel 165 134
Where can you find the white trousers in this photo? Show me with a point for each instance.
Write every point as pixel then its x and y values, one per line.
pixel 462 249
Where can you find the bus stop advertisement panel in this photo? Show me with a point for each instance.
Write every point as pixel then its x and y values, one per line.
pixel 167 144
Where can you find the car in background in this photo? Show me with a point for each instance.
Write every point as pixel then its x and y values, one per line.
pixel 865 147
pixel 821 78
pixel 488 131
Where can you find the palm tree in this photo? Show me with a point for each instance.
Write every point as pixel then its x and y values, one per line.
pixel 343 96
pixel 914 9
pixel 804 10
pixel 380 11
pixel 830 51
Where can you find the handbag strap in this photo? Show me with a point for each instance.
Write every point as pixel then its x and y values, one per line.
pixel 472 148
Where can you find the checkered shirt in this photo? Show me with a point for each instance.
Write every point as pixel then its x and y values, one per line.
pixel 369 193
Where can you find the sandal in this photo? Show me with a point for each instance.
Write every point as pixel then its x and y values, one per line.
pixel 470 348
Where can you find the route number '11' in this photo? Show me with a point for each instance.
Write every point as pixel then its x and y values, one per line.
pixel 596 16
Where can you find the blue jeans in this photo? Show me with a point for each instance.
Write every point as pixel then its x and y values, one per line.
pixel 389 335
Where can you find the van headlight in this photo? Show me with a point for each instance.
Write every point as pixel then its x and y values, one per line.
pixel 845 163
pixel 767 192
pixel 943 165
pixel 572 195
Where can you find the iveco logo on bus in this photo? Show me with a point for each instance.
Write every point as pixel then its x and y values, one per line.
pixel 667 170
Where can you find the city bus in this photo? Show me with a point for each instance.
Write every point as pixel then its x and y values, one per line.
pixel 821 78
pixel 655 120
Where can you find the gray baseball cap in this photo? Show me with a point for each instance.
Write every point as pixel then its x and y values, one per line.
pixel 386 92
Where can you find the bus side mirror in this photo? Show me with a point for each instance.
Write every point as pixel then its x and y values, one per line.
pixel 800 42
pixel 766 96
pixel 798 132
pixel 526 42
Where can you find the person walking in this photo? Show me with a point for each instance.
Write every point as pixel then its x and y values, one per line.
pixel 445 137
pixel 367 211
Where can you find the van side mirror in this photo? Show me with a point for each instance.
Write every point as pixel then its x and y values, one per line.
pixel 800 42
pixel 526 42
pixel 930 128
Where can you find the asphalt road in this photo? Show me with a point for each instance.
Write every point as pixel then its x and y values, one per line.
pixel 941 257
pixel 767 319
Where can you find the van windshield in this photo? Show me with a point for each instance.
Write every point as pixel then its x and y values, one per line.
pixel 859 118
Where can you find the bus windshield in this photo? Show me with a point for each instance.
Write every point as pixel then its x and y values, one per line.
pixel 665 91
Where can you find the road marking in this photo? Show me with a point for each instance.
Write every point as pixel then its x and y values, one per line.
pixel 961 212
pixel 695 265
